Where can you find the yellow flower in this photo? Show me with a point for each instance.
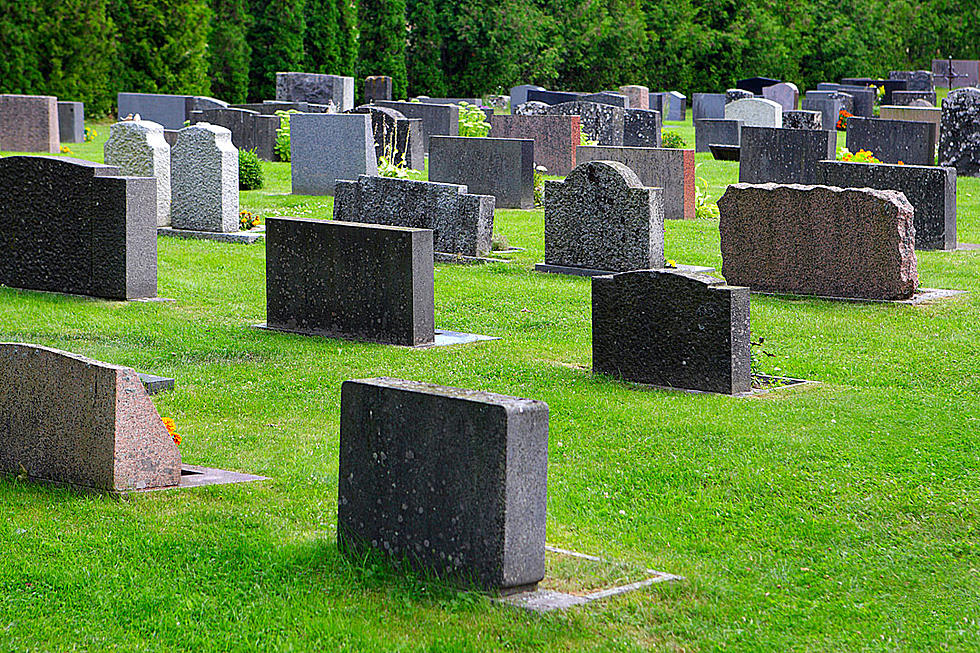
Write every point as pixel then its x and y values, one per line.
pixel 671 263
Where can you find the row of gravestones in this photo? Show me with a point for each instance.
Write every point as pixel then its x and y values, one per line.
pixel 671 105
pixel 39 123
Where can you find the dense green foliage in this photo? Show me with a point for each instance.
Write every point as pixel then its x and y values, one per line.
pixel 89 50
pixel 249 170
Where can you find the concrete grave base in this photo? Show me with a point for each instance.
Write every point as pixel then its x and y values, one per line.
pixel 443 257
pixel 761 384
pixel 248 237
pixel 589 272
pixel 921 296
pixel 443 337
pixel 963 247
pixel 725 152
pixel 155 384
pixel 190 476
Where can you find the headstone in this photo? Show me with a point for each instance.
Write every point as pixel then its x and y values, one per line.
pixel 639 96
pixel 906 98
pixel 720 132
pixel 642 128
pixel 425 99
pixel 930 190
pixel 733 94
pixel 783 156
pixel 269 107
pixel 863 100
pixel 449 480
pixel 890 85
pixel 668 168
pixel 29 123
pixel 893 141
pixel 602 122
pixel 461 223
pixel 555 137
pixel 932 115
pixel 71 122
pixel 967 73
pixel 802 120
pixel 672 329
pixel 959 143
pixel 498 101
pixel 326 147
pixel 314 87
pixel 785 94
pixel 607 97
pixel 828 107
pixel 819 240
pixel 353 281
pixel 755 84
pixel 846 99
pixel 830 86
pixel 437 119
pixel 551 97
pixel 395 137
pixel 755 112
pixel 501 167
pixel 678 106
pixel 77 227
pixel 171 111
pixel 77 421
pixel 659 102
pixel 518 94
pixel 601 217
pixel 250 130
pixel 708 105
pixel 377 87
pixel 204 179
pixel 917 80
pixel 138 149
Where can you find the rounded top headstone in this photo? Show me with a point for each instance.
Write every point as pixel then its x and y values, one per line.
pixel 604 173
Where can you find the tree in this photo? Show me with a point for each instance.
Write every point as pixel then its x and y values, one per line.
pixel 229 51
pixel 276 37
pixel 330 40
pixel 382 42
pixel 423 51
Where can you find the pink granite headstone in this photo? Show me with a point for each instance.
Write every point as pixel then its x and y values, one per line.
pixel 29 123
pixel 556 138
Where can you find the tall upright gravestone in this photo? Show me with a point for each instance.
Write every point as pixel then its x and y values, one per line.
pixel 556 138
pixel 29 123
pixel 755 112
pixel 71 122
pixel 138 149
pixel 377 87
pixel 204 180
pixel 315 87
pixel 326 147
pixel 501 167
pixel 959 141
pixel 893 141
pixel 784 156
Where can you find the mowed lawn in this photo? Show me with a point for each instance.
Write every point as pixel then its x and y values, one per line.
pixel 841 516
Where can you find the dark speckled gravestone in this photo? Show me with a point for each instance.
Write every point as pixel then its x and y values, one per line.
pixel 783 156
pixel 437 119
pixel 377 87
pixel 893 141
pixel 959 141
pixel 673 329
pixel 449 480
pixel 354 281
pixel 316 87
pixel 77 227
pixel 250 130
pixel 711 131
pixel 397 138
pixel 501 167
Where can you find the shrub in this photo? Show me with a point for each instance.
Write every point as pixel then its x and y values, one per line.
pixel 249 170
pixel 472 121
pixel 282 134
pixel 585 139
pixel 672 139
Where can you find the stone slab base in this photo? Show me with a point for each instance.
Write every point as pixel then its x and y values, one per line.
pixel 768 384
pixel 589 272
pixel 155 384
pixel 966 247
pixel 247 237
pixel 443 337
pixel 443 257
pixel 921 296
pixel 197 476
pixel 725 152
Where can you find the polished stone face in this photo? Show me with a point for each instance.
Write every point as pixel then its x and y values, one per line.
pixel 755 112
pixel 29 123
pixel 396 137
pixel 783 156
pixel 250 130
pixel 501 167
pixel 893 141
pixel 657 167
pixel 326 147
pixel 437 119
pixel 556 138
pixel 336 90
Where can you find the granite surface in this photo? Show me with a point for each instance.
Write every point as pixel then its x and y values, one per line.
pixel 959 143
pixel 755 112
pixel 893 141
pixel 783 156
pixel 204 180
pixel 138 149
pixel 29 123
pixel 556 138
pixel 335 90
pixel 671 169
pixel 501 167
pixel 327 147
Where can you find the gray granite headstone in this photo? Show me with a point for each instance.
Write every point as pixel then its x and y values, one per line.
pixel 606 97
pixel 501 167
pixel 352 281
pixel 802 120
pixel 783 156
pixel 907 98
pixel 967 71
pixel 708 105
pixel 755 112
pixel 642 128
pixel 863 100
pixel 377 87
pixel 846 99
pixel 518 94
pixel 785 94
pixel 734 94
pixel 659 102
pixel 270 107
pixel 552 97
pixel 556 138
pixel 326 147
pixel 204 180
pixel 601 217
pixel 450 480
pixel 959 142
pixel 710 131
pixel 829 108
pixel 671 169
pixel 395 137
pixel 461 223
pixel 250 130
pixel 604 123
pixel 437 119
pixel 673 329
pixel 77 227
pixel 171 111
pixel 677 109
pixel 71 122
pixel 893 141
pixel 74 420
pixel 29 123
pixel 335 90
pixel 918 80
pixel 138 149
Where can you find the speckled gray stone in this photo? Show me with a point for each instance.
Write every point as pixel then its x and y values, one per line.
pixel 846 99
pixel 930 189
pixel 77 227
pixel 461 223
pixel 395 136
pixel 828 106
pixel 607 97
pixel 783 156
pixel 551 97
pixel 204 179
pixel 932 115
pixel 250 130
pixel 677 109
pixel 959 142
pixel 603 218
pixel 71 122
pixel 671 169
pixel 70 419
pixel 907 98
pixel 138 149
pixel 755 112
pixel 802 120
pixel 501 167
pixel 29 123
pixel 171 111
pixel 335 90
pixel 967 71
pixel 818 240
pixel 720 132
pixel 893 141
pixel 556 138
pixel 642 128
pixel 673 329
pixel 863 99
pixel 734 94
pixel 437 119
pixel 326 147
pixel 601 122
pixel 708 105
pixel 450 480
pixel 918 80
pixel 785 94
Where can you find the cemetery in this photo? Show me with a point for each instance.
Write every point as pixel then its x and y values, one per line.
pixel 568 357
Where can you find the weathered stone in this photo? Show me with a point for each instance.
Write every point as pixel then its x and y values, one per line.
pixel 733 94
pixel 501 167
pixel 708 105
pixel 77 227
pixel 171 111
pixel 603 218
pixel 785 94
pixel 967 71
pixel 437 119
pixel 893 141
pixel 335 90
pixel 959 143
pixel 639 96
pixel 327 147
pixel 498 101
pixel 846 100
pixel 917 80
pixel 641 128
pixel 677 109
pixel 802 120
pixel 783 156
pixel 377 87
pixel 461 223
pixel 71 122
pixel 930 190
pixel 138 149
pixel 668 168
pixel 906 98
pixel 250 130
pixel 755 85
pixel 673 329
pixel 475 101
pixel 932 115
pixel 828 106
pixel 755 112
pixel 450 480
pixel 552 97
pixel 73 420
pixel 353 281
pixel 395 137
pixel 720 132
pixel 518 94
pixel 29 123
pixel 601 122
pixel 555 137
pixel 819 240
pixel 204 179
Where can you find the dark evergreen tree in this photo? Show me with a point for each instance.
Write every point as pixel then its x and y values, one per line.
pixel 382 27
pixel 330 40
pixel 423 51
pixel 229 51
pixel 276 38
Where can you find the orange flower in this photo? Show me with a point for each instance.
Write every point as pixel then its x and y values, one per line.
pixel 172 429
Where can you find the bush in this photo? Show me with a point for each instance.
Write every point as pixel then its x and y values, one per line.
pixel 249 170
pixel 282 134
pixel 672 139
pixel 472 120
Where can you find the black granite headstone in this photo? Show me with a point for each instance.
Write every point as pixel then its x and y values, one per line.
pixel 893 141
pixel 755 84
pixel 783 156
pixel 501 167
pixel 437 119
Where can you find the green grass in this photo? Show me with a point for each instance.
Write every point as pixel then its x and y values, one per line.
pixel 840 516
